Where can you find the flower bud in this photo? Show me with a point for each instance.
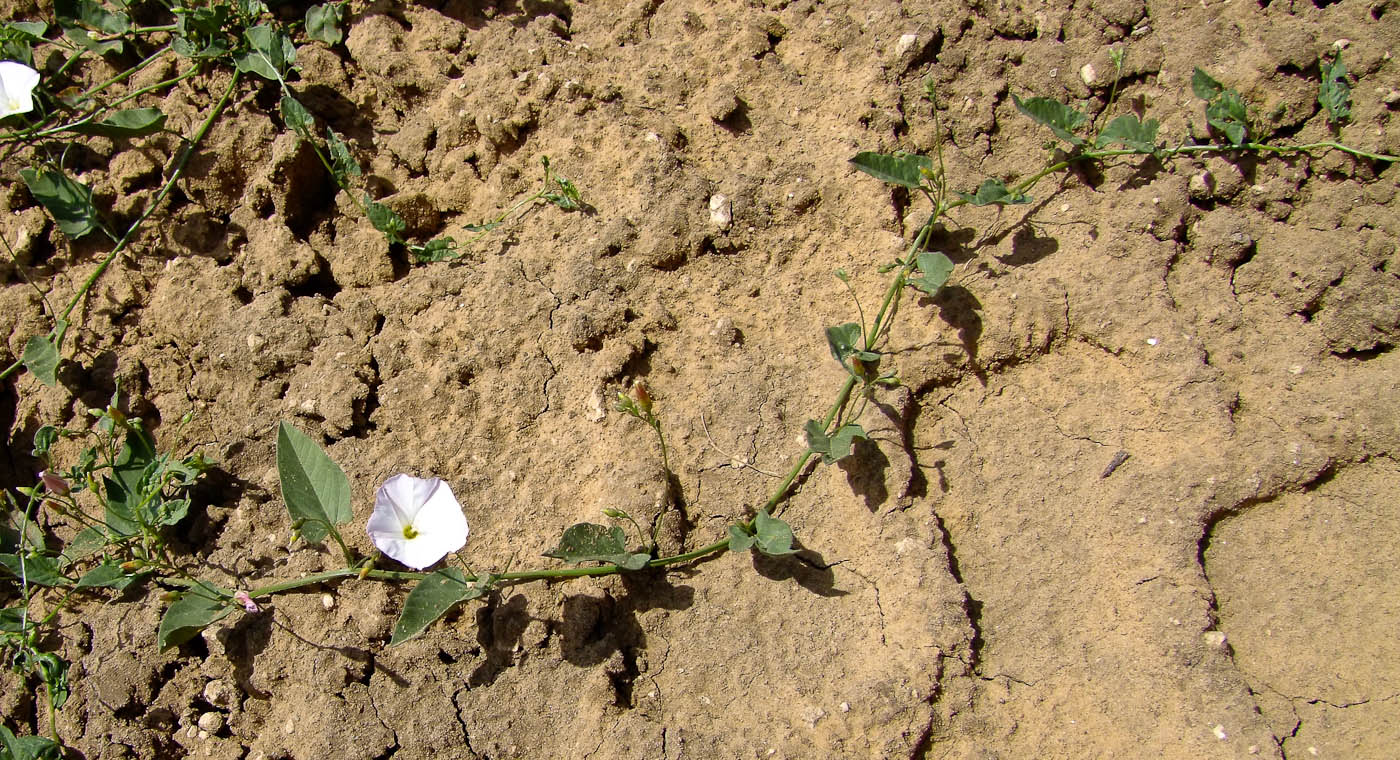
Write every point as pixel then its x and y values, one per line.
pixel 643 395
pixel 171 596
pixel 244 599
pixel 615 514
pixel 54 483
pixel 132 566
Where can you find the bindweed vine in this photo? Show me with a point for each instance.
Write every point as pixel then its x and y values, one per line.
pixel 123 497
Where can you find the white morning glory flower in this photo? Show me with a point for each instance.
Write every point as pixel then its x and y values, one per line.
pixel 417 521
pixel 17 83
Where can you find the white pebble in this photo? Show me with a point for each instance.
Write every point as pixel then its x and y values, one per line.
pixel 1151 341
pixel 905 44
pixel 1087 73
pixel 1219 731
pixel 327 601
pixel 721 211
pixel 212 722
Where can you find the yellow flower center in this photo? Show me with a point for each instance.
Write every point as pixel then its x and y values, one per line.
pixel 409 532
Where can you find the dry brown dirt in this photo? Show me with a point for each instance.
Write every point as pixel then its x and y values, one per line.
pixel 975 583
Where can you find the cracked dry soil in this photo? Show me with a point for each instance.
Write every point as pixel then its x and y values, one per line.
pixel 1137 497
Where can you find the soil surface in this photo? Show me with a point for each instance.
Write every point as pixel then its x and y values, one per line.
pixel 989 577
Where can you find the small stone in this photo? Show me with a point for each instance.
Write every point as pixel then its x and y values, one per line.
pixel 721 211
pixel 255 342
pixel 1219 732
pixel 905 44
pixel 812 715
pixel 1087 73
pixel 1389 95
pixel 1342 43
pixel 722 104
pixel 1200 186
pixel 327 601
pixel 213 722
pixel 219 693
pixel 1151 341
pixel 724 332
pixel 1214 639
pixel 845 707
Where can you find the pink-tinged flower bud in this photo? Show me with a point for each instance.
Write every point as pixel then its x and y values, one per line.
pixel 54 483
pixel 247 601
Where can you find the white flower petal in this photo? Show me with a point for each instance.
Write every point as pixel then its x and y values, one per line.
pixel 427 506
pixel 17 83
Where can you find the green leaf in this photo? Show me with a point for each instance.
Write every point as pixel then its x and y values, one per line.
pixel 26 747
pixel 41 358
pixel 12 619
pixel 106 574
pixel 993 191
pixel 903 169
pixel 128 509
pixel 88 542
pixel 132 122
pixel 323 23
pixel 17 40
pixel 1227 114
pixel 92 15
pixel 935 269
pixel 774 536
pixel 844 340
pixel 270 53
pixel 1333 92
pixel 591 542
pixel 84 38
pixel 37 569
pixel 432 598
pixel 186 617
pixel 314 487
pixel 295 115
pixel 385 219
pixel 441 249
pixel 836 446
pixel 1128 131
pixel 343 164
pixel 69 201
pixel 44 439
pixel 1205 86
pixel 740 540
pixel 1060 118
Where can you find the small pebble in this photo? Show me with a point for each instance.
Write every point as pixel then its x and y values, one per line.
pixel 905 44
pixel 721 211
pixel 219 694
pixel 1219 731
pixel 1214 639
pixel 213 722
pixel 1151 341
pixel 1087 73
pixel 327 601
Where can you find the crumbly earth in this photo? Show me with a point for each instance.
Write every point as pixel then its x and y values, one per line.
pixel 977 582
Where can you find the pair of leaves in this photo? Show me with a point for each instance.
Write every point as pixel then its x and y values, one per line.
pixel 17 39
pixel 200 32
pixel 1060 118
pixel 1333 93
pixel 432 598
pixel 1225 109
pixel 67 200
pixel 314 487
pixel 187 616
pixel 35 569
pixel 837 445
pixel 91 14
pixel 270 53
pixel 768 534
pixel 902 169
pixel 135 498
pixel 844 342
pixel 591 542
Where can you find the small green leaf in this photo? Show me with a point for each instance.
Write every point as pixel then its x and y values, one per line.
pixel 85 39
pixel 69 201
pixel 1205 86
pixel 591 542
pixel 270 53
pixel 935 269
pixel 1333 92
pixel 323 22
pixel 26 747
pixel 385 219
pixel 1060 118
pixel 41 358
pixel 1227 114
pixel 836 446
pixel 740 540
pixel 903 169
pixel 44 439
pixel 17 40
pixel 35 569
pixel 430 600
pixel 88 542
pixel 441 249
pixel 343 164
pixel 127 506
pixel 12 619
pixel 186 617
pixel 106 574
pixel 994 191
pixel 774 536
pixel 295 115
pixel 132 122
pixel 314 487
pixel 844 340
pixel 1127 130
pixel 92 15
